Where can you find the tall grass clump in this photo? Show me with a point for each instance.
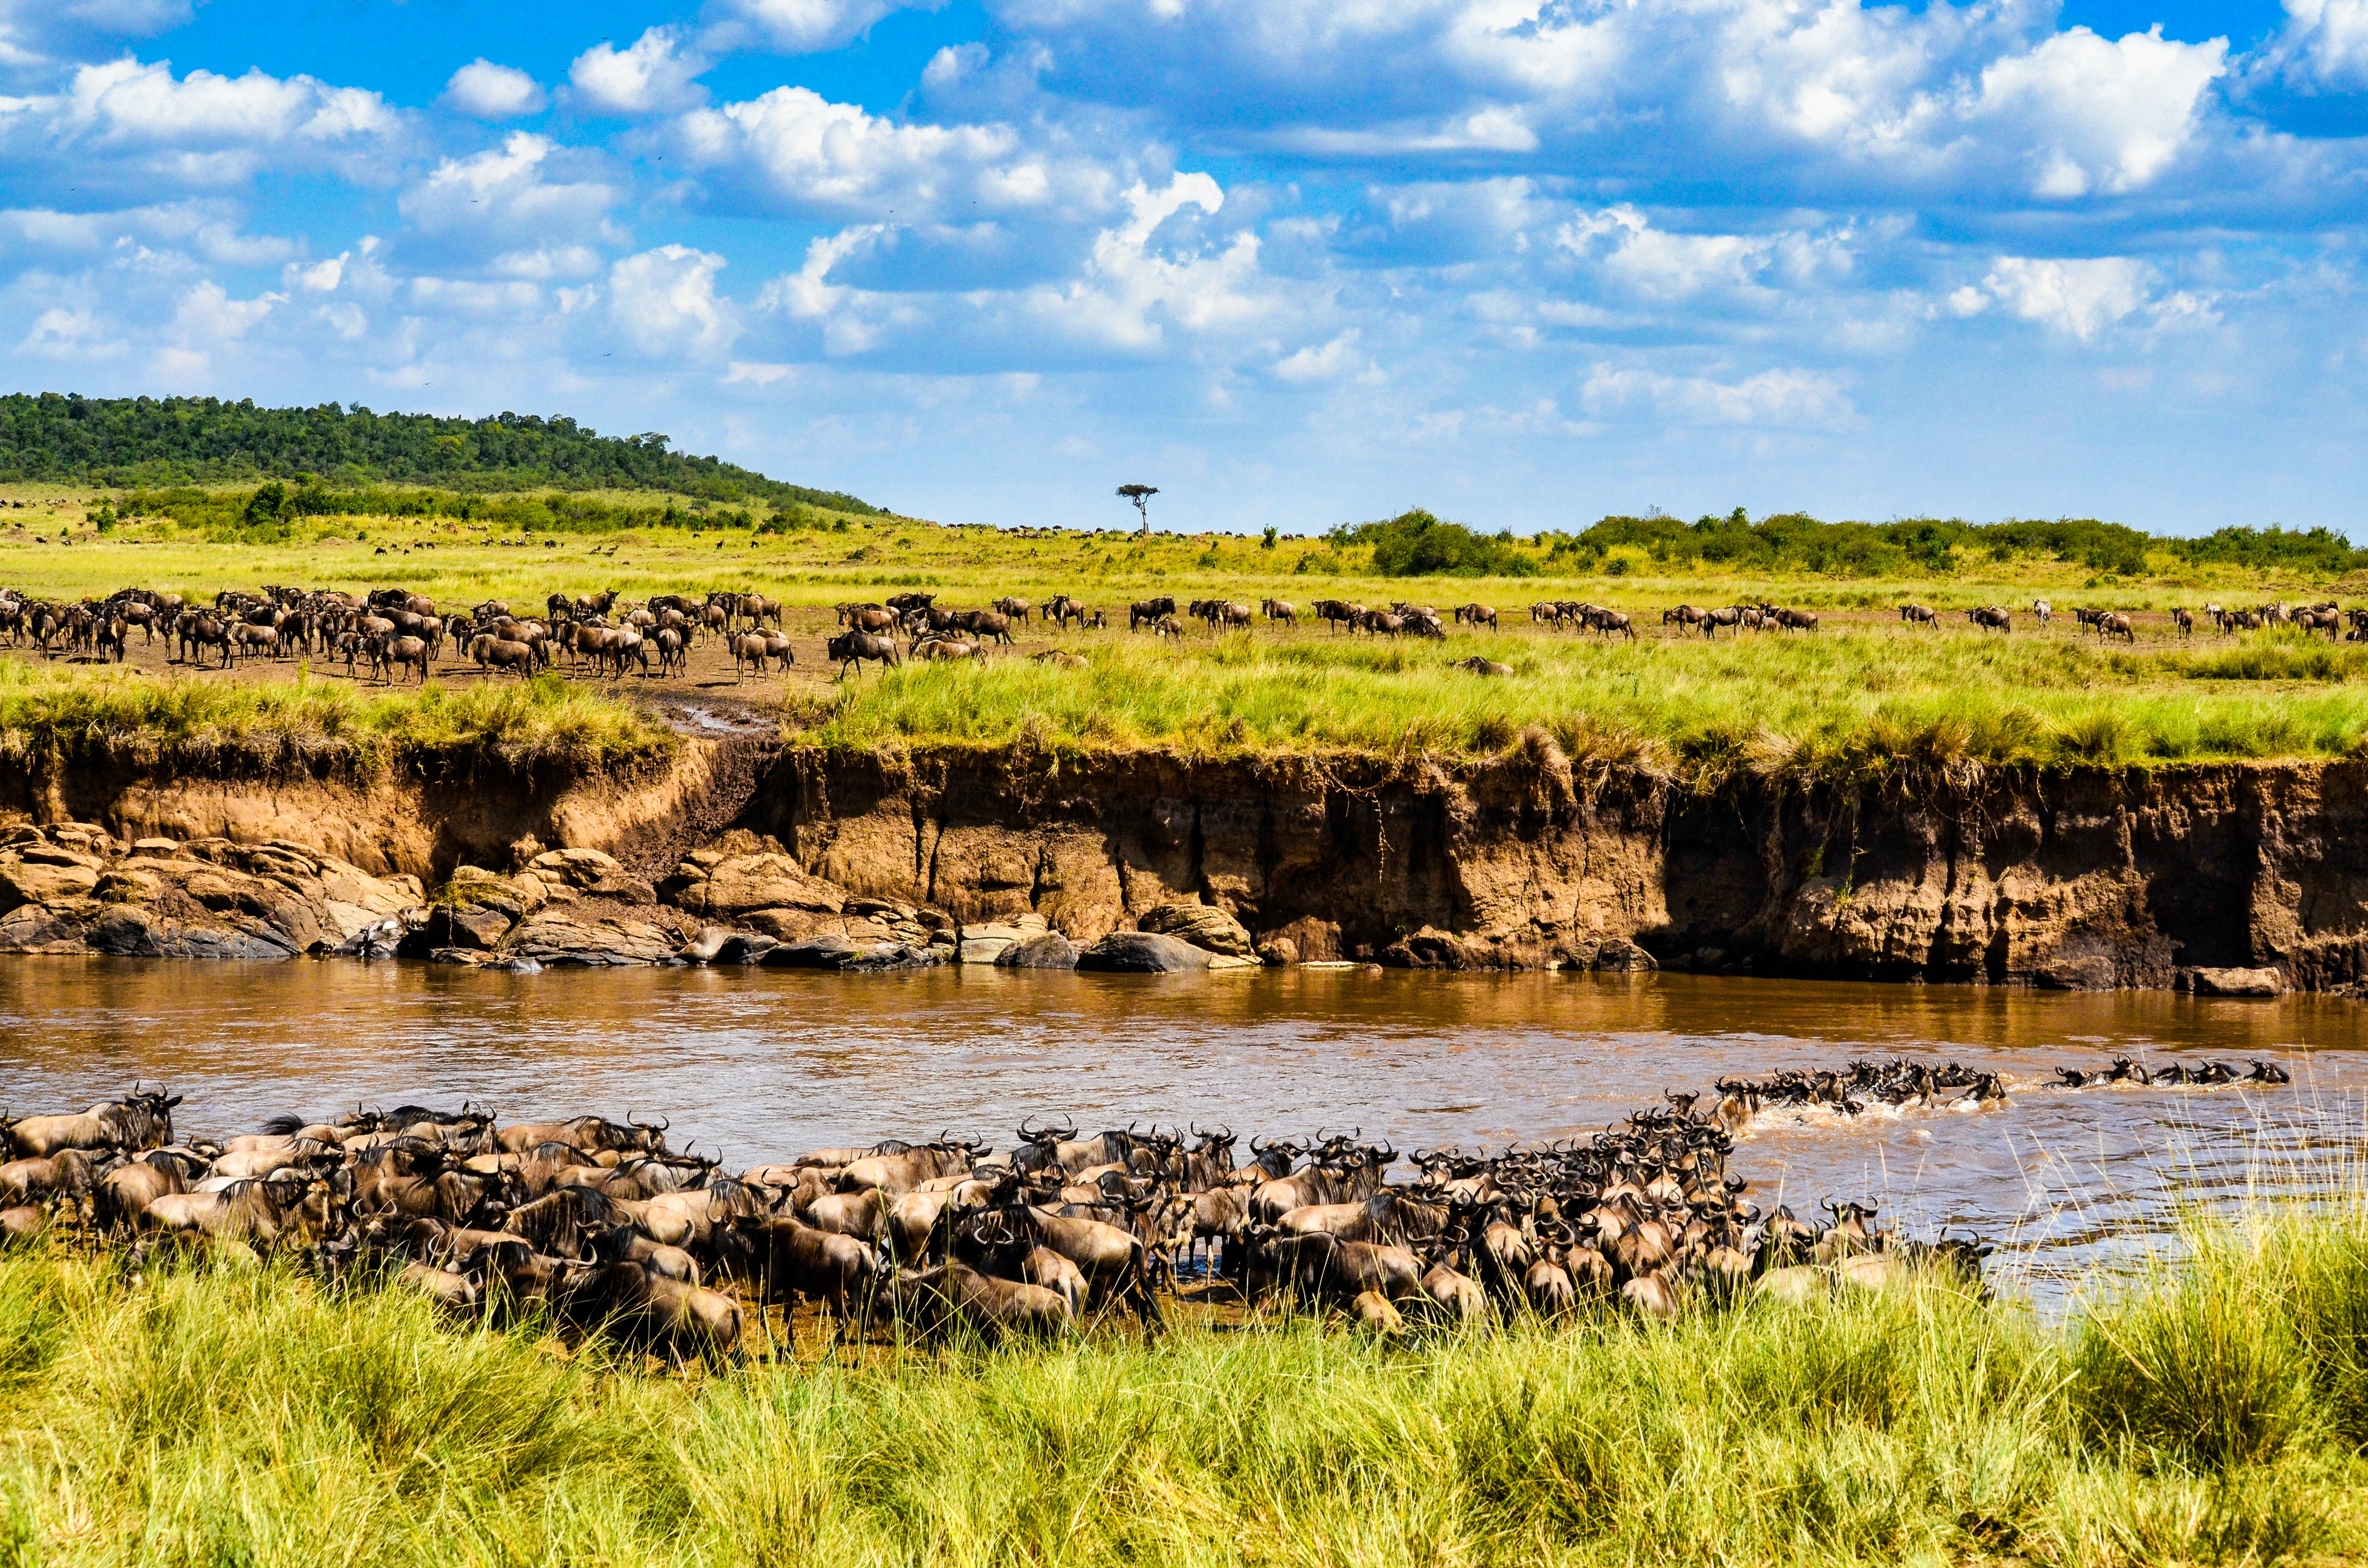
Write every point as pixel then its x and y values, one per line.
pixel 249 1415
pixel 48 710
pixel 2195 1365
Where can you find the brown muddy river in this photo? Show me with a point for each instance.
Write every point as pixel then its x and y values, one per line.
pixel 763 1063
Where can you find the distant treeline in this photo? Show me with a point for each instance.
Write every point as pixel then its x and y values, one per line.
pixel 150 442
pixel 273 511
pixel 1793 541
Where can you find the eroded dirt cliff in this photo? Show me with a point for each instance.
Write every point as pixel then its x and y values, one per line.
pixel 2146 877
pixel 2232 877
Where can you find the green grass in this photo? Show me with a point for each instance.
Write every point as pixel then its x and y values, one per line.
pixel 193 722
pixel 1858 699
pixel 245 1417
pixel 1849 702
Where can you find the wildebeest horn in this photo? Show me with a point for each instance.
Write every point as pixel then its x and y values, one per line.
pixel 1259 1145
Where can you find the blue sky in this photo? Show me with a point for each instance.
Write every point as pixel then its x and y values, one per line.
pixel 1524 261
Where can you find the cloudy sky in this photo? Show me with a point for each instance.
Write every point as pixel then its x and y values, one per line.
pixel 1294 261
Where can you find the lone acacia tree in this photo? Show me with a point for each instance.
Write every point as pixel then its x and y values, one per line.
pixel 1141 494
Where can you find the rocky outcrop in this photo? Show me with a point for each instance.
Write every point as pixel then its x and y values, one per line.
pixel 74 888
pixel 1202 924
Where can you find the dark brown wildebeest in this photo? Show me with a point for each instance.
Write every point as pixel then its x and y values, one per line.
pixel 1990 617
pixel 649 1312
pixel 849 649
pixel 2115 624
pixel 492 652
pixel 1337 613
pixel 1480 666
pixel 1148 612
pixel 1476 616
pixel 1280 609
pixel 955 1298
pixel 792 1258
pixel 1922 614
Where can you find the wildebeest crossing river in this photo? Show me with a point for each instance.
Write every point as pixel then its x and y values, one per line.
pixel 756 1063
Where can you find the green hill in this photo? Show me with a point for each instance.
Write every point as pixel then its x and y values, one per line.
pixel 151 441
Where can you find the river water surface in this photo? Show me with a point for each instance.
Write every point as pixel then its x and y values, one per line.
pixel 761 1064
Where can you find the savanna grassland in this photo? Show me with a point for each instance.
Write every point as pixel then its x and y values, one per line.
pixel 1864 693
pixel 2208 1410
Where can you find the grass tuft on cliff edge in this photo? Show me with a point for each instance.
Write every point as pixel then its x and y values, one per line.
pixel 72 711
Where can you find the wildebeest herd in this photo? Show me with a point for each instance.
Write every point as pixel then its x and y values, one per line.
pixel 394 634
pixel 601 1225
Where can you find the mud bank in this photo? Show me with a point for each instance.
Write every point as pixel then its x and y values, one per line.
pixel 2242 877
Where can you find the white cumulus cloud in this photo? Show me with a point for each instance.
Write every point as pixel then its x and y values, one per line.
pixel 802 27
pixel 2099 116
pixel 658 73
pixel 805 152
pixel 1776 397
pixel 664 304
pixel 2081 297
pixel 512 196
pixel 492 92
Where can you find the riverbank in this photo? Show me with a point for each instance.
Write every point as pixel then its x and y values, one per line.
pixel 643 846
pixel 2211 1413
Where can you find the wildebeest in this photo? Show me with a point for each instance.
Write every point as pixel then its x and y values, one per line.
pixel 849 649
pixel 140 1119
pixel 1149 612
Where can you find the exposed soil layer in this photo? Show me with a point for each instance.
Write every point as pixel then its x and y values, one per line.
pixel 2237 877
pixel 2231 877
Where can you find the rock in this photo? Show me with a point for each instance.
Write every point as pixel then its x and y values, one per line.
pixel 813 952
pixel 1141 952
pixel 1619 956
pixel 1430 947
pixel 983 949
pixel 744 947
pixel 886 910
pixel 1279 951
pixel 891 955
pixel 1051 950
pixel 521 895
pixel 1202 924
pixel 787 925
pixel 552 938
pixel 127 884
pixel 1233 960
pixel 840 954
pixel 516 963
pixel 31 929
pixel 468 958
pixel 2236 982
pixel 163 848
pixel 576 867
pixel 469 924
pixel 130 931
pixel 43 882
pixel 745 883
